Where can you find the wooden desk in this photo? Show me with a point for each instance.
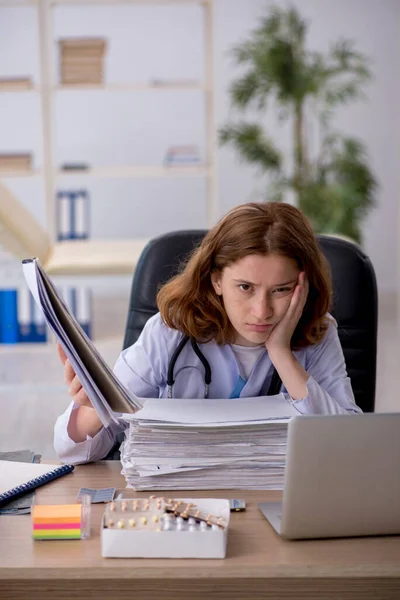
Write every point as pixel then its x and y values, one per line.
pixel 258 565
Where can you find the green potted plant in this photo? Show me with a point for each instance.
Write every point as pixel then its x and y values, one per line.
pixel 334 186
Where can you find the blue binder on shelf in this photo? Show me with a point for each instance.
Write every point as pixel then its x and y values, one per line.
pixel 73 215
pixel 8 317
pixel 31 324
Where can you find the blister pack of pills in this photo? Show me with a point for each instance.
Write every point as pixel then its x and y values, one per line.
pixel 160 514
pixel 165 527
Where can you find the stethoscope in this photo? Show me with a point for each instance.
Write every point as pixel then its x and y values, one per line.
pixel 273 389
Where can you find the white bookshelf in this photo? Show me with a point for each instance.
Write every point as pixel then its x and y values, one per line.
pixel 14 90
pixel 14 3
pixel 131 171
pixel 8 174
pixel 48 89
pixel 130 87
pixel 72 2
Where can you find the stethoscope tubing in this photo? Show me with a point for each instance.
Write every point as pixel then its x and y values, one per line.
pixel 274 387
pixel 199 354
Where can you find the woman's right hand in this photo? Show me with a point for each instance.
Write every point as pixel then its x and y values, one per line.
pixel 75 388
pixel 83 421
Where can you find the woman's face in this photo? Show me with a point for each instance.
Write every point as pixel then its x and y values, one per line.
pixel 256 292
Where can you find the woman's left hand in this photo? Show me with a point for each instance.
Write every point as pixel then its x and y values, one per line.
pixel 281 335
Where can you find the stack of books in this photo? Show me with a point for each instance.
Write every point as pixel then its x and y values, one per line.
pixel 15 83
pixel 15 162
pixel 81 61
pixel 175 444
pixel 180 156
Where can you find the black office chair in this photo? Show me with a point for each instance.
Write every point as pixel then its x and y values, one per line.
pixel 355 302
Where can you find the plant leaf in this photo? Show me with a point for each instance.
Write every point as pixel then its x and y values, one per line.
pixel 253 145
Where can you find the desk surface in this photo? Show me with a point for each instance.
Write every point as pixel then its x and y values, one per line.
pixel 258 565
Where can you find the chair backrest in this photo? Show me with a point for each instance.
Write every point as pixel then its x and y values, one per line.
pixel 355 303
pixel 159 261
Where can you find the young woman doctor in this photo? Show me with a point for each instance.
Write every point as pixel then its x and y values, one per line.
pixel 255 297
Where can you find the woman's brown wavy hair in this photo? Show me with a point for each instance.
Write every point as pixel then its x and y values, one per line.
pixel 189 303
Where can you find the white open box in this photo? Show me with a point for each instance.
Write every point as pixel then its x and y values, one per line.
pixel 132 543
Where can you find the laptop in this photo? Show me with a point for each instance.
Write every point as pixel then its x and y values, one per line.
pixel 342 477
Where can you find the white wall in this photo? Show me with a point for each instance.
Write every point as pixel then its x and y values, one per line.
pixel 374 26
pixel 148 42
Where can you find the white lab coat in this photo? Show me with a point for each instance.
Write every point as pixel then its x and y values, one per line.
pixel 143 367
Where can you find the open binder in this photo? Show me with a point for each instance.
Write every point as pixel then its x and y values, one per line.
pixel 109 398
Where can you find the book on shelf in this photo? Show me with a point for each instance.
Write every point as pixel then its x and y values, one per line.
pixel 173 82
pixel 31 323
pixel 182 156
pixel 82 74
pixel 82 67
pixel 78 55
pixel 15 161
pixel 82 81
pixel 81 71
pixel 75 59
pixel 8 316
pixel 90 51
pixel 15 83
pixel 75 166
pixel 85 44
pixel 73 214
pixel 81 60
pixel 22 321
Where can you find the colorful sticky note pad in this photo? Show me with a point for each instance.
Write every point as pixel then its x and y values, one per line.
pixel 55 522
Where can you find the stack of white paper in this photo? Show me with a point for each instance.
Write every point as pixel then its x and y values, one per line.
pixel 174 444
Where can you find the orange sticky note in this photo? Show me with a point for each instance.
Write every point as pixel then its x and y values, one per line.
pixel 61 513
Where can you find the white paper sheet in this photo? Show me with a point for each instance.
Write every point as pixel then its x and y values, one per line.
pixel 208 412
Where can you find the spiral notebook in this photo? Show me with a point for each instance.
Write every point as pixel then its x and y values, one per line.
pixel 17 478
